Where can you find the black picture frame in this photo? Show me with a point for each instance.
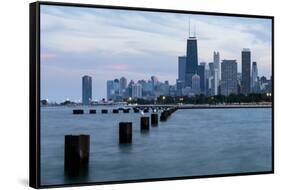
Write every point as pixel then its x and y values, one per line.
pixel 34 91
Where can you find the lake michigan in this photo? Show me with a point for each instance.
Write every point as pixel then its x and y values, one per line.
pixel 192 142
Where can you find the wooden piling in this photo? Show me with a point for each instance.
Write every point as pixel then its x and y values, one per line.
pixel 91 111
pixel 145 110
pixel 115 111
pixel 144 123
pixel 125 132
pixel 76 154
pixel 154 119
pixel 78 111
pixel 164 116
pixel 136 110
pixel 126 110
pixel 104 111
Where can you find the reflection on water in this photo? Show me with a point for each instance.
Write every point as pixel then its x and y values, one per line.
pixel 190 143
pixel 125 148
pixel 145 133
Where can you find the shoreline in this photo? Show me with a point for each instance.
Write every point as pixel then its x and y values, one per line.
pixel 181 106
pixel 211 106
pixel 224 106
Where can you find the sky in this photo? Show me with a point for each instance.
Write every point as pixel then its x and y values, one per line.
pixel 108 44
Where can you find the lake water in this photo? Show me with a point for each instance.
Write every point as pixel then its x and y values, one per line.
pixel 190 143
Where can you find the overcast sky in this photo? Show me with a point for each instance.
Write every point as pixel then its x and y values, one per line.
pixel 108 44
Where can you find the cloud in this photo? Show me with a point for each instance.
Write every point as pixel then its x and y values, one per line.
pixel 139 44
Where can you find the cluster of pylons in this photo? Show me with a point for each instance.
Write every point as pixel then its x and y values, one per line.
pixel 120 110
pixel 77 147
pixel 167 113
pixel 103 111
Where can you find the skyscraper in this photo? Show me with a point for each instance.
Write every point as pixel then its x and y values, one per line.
pixel 116 87
pixel 217 72
pixel 211 69
pixel 110 89
pixel 246 71
pixel 191 59
pixel 254 77
pixel 203 64
pixel 228 77
pixel 181 68
pixel 180 85
pixel 195 84
pixel 86 90
pixel 216 82
pixel 123 86
pixel 207 76
pixel 136 90
pixel 217 64
pixel 154 80
pixel 213 79
pixel 239 79
pixel 201 73
pixel 129 89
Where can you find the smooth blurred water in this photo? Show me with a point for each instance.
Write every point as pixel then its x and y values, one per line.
pixel 190 143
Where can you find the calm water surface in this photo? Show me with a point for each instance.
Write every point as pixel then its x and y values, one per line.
pixel 190 143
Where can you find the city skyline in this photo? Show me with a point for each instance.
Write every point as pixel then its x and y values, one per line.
pixel 64 64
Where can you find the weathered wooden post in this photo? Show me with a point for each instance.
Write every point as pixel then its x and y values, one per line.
pixel 146 110
pixel 154 119
pixel 126 110
pixel 115 111
pixel 104 111
pixel 144 123
pixel 125 132
pixel 164 116
pixel 78 111
pixel 91 111
pixel 76 154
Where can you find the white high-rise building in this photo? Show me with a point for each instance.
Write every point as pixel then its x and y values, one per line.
pixel 136 90
pixel 217 64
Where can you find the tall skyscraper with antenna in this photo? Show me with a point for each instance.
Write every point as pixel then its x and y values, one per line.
pixel 191 57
